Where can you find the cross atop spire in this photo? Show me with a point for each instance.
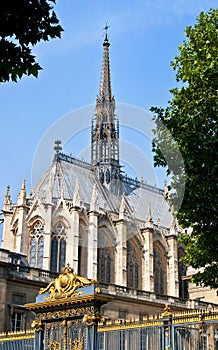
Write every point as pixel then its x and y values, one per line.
pixel 105 88
pixel 106 29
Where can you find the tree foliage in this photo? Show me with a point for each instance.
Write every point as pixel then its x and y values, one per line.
pixel 191 118
pixel 23 23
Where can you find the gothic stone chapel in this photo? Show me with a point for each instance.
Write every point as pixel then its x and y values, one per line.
pixel 107 226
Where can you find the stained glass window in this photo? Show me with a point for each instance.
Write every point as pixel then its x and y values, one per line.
pixel 159 271
pixel 37 245
pixel 104 265
pixel 132 267
pixel 33 251
pixel 183 285
pixel 105 259
pixel 58 247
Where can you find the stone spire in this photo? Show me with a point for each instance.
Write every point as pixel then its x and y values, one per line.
pixel 149 220
pixel 123 209
pixel 49 190
pixel 94 205
pixel 7 200
pixel 76 195
pixel 173 226
pixel 105 128
pixel 22 194
pixel 165 190
pixel 105 87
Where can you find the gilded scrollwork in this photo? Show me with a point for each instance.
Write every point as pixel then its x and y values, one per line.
pixel 66 313
pixel 92 319
pixel 76 344
pixel 55 345
pixel 167 311
pixel 37 325
pixel 67 284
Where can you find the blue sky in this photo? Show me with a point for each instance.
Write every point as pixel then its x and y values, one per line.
pixel 144 37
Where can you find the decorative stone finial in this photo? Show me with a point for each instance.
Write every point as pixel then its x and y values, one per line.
pixel 165 190
pixel 173 226
pixel 7 200
pixel 57 146
pixel 76 195
pixel 123 208
pixel 149 220
pixel 49 191
pixel 94 205
pixel 23 186
pixel 22 194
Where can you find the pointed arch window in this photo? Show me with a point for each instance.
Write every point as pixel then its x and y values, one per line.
pixel 159 271
pixel 104 267
pixel 132 267
pixel 83 248
pixel 182 270
pixel 105 259
pixel 37 245
pixel 58 247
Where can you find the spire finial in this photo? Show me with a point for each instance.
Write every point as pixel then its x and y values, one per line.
pixel 106 29
pixel 23 186
pixel 123 209
pixel 7 201
pixel 76 195
pixel 94 205
pixel 149 220
pixel 22 194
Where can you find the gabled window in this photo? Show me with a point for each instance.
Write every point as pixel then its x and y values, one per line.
pixel 37 245
pixel 58 247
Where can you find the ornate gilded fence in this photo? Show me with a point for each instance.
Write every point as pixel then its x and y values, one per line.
pixel 68 318
pixel 17 340
pixel 188 330
pixel 135 337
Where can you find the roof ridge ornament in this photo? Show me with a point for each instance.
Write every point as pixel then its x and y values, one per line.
pixel 57 146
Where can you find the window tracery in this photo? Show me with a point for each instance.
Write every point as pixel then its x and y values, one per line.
pixel 105 260
pixel 132 267
pixel 37 245
pixel 82 249
pixel 182 269
pixel 58 247
pixel 160 267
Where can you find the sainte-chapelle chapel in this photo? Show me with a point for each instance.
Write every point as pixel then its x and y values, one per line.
pixel 106 225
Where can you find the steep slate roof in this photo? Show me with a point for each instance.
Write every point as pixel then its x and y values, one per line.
pixel 62 176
